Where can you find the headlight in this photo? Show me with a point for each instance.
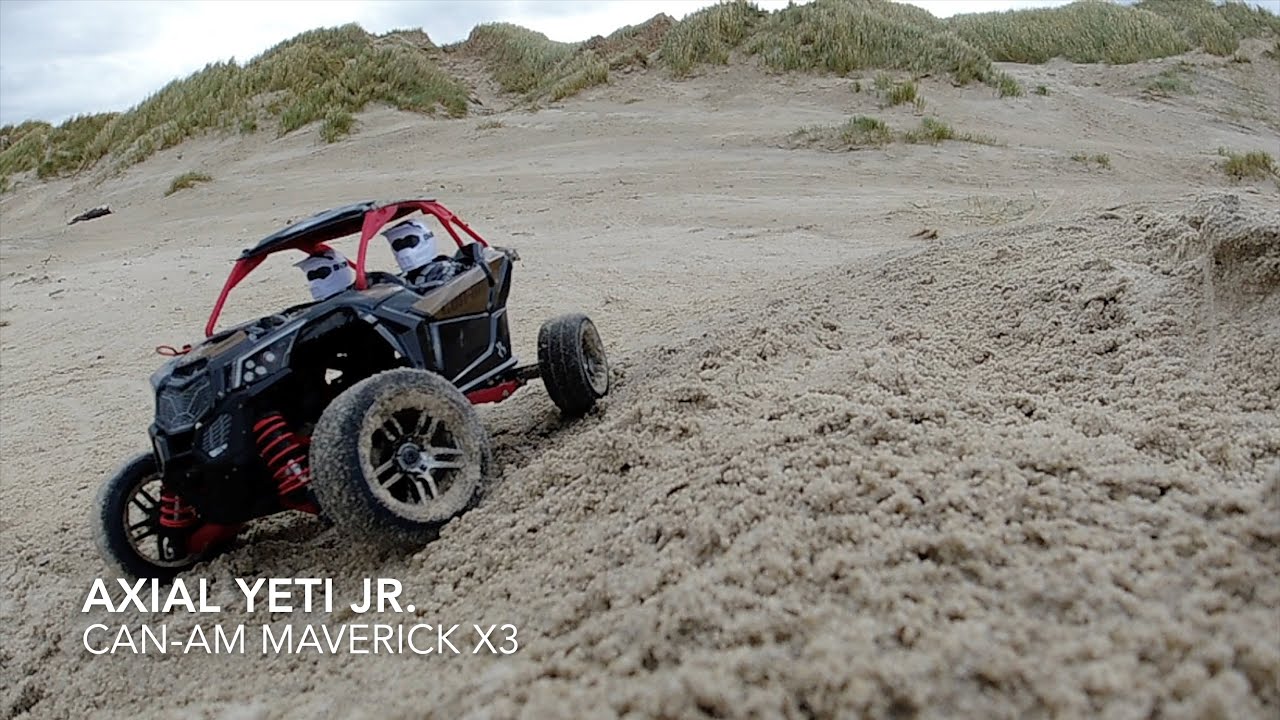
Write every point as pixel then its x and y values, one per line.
pixel 262 362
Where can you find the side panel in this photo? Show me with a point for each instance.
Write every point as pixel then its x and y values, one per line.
pixel 474 348
pixel 465 333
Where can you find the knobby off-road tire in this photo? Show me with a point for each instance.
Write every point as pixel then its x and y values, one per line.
pixel 125 523
pixel 572 363
pixel 398 455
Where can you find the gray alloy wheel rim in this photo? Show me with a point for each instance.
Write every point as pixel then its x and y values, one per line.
pixel 141 518
pixel 416 460
pixel 594 361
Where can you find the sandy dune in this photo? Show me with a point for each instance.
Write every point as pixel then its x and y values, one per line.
pixel 1028 468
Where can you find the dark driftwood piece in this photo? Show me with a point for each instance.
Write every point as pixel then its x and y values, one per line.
pixel 91 214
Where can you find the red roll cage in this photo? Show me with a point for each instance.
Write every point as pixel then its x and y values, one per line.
pixel 341 224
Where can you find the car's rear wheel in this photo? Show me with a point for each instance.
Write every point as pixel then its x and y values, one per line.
pixel 572 363
pixel 127 529
pixel 398 455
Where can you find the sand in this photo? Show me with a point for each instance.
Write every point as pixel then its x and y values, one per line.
pixel 1029 467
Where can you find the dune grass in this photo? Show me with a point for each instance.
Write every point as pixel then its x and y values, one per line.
pixel 1084 32
pixel 1102 160
pixel 1091 31
pixel 1218 28
pixel 528 63
pixel 1171 81
pixel 709 35
pixel 1200 25
pixel 519 59
pixel 48 150
pixel 337 124
pixel 862 132
pixel 902 93
pixel 320 75
pixel 837 36
pixel 856 132
pixel 1252 165
pixel 933 131
pixel 843 36
pixel 1005 84
pixel 187 180
pixel 633 44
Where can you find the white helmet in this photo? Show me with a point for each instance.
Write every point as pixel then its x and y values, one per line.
pixel 413 243
pixel 327 273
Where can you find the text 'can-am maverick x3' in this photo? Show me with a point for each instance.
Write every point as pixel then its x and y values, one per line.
pixel 357 407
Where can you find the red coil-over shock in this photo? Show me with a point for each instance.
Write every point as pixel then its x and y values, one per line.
pixel 174 513
pixel 285 454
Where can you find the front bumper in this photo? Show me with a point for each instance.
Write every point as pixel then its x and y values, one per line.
pixel 213 462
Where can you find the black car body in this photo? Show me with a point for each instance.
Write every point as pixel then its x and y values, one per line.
pixel 294 363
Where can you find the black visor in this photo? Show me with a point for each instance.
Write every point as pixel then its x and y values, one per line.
pixel 406 242
pixel 323 272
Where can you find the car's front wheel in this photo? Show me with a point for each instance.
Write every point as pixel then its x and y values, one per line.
pixel 398 455
pixel 126 524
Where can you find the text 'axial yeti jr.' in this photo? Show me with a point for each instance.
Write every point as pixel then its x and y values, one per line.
pixel 357 406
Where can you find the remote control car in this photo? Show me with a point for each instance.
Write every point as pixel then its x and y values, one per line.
pixel 357 406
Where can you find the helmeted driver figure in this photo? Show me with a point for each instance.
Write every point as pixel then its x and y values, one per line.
pixel 328 273
pixel 414 246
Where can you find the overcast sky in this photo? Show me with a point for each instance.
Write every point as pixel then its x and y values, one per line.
pixel 60 58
